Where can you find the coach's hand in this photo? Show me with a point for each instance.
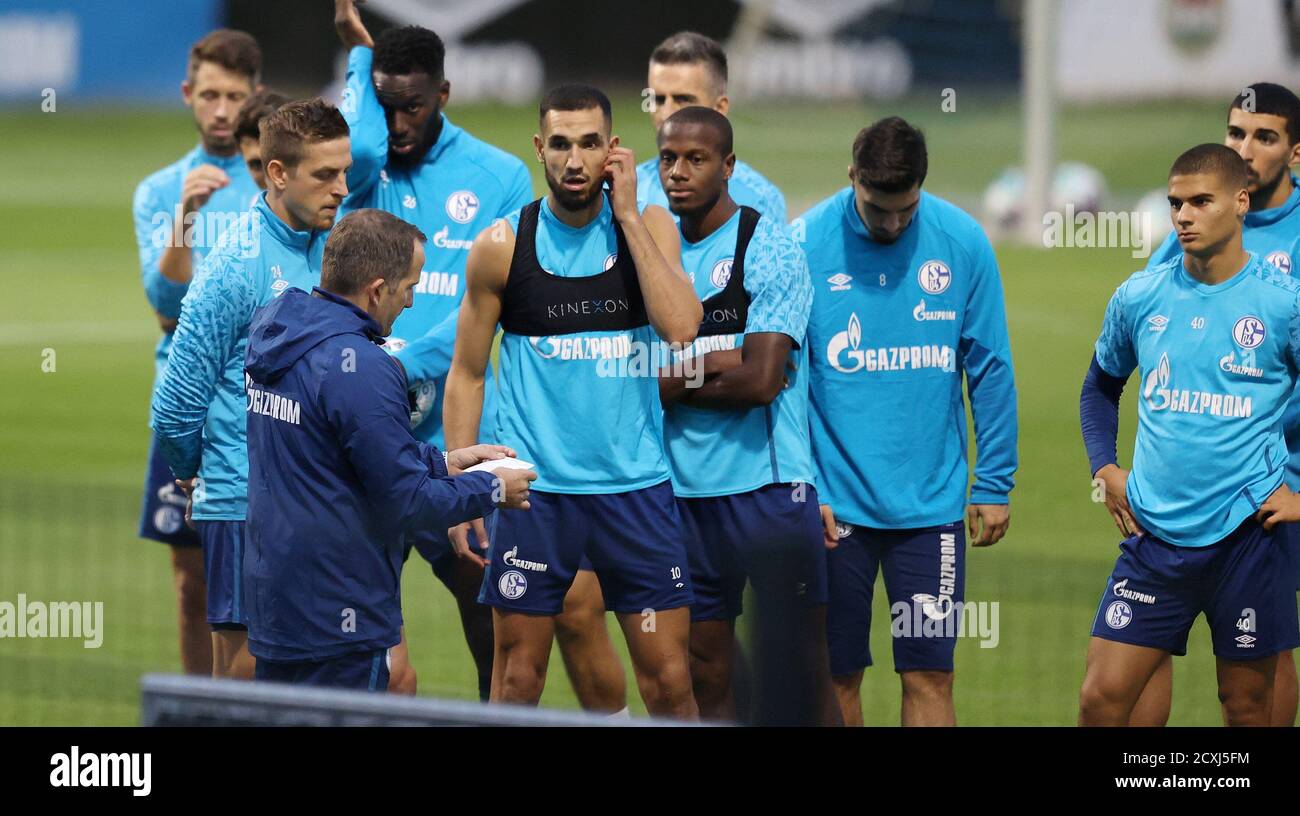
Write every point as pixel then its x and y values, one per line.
pixel 620 169
pixel 347 22
pixel 1282 505
pixel 199 185
pixel 459 536
pixel 830 536
pixel 1115 479
pixel 462 458
pixel 996 519
pixel 511 488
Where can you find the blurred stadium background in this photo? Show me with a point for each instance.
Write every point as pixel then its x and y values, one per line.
pixel 1136 82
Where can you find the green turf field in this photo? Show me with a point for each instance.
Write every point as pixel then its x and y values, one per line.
pixel 73 441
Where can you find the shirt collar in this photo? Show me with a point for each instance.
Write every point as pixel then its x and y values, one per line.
pixel 369 327
pixel 446 137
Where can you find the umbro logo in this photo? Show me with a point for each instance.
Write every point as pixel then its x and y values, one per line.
pixel 1158 323
pixel 839 282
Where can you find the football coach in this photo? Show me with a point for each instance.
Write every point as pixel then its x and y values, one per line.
pixel 336 479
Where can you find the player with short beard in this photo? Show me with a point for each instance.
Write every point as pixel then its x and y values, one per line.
pixel 580 268
pixel 209 182
pixel 907 305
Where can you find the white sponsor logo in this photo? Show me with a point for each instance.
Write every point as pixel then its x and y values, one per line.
pixel 268 403
pixel 513 585
pixel 930 617
pixel 839 282
pixel 706 344
pixel 91 770
pixel 920 313
pixel 512 560
pixel 1245 641
pixel 721 273
pixel 279 286
pixel 1119 615
pixel 1160 397
pixel 1248 332
pixel 1281 260
pixel 462 206
pixel 843 354
pixel 1158 323
pixel 935 608
pixel 438 283
pixel 607 347
pixel 934 277
pixel 1228 363
pixel 441 240
pixel 408 202
pixel 1121 589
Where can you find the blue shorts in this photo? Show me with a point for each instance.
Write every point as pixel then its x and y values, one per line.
pixel 925 578
pixel 765 536
pixel 634 541
pixel 162 514
pixel 223 561
pixel 1291 537
pixel 362 671
pixel 1244 584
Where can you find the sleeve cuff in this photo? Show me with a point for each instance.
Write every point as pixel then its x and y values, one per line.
pixel 1100 462
pixel 979 496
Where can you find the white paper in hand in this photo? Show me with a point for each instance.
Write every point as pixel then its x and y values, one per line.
pixel 494 464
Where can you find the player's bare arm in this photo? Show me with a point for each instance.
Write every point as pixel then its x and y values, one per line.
pixel 757 381
pixel 671 305
pixel 485 280
pixel 347 22
pixel 674 383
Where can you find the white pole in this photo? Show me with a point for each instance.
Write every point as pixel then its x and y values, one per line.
pixel 1039 81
